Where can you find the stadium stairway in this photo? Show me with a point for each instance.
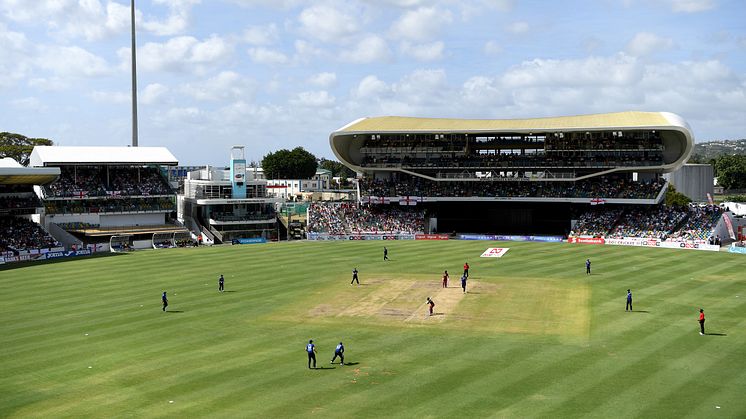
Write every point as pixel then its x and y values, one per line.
pixel 62 236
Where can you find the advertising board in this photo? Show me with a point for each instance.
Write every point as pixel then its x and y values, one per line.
pixel 495 252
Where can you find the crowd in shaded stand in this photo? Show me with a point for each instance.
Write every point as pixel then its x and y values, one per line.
pixel 608 187
pixel 346 218
pixel 19 202
pixel 18 234
pixel 596 222
pixel 575 158
pixel 92 182
pixel 109 205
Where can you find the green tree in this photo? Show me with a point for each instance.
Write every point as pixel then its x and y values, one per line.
pixel 731 171
pixel 289 164
pixel 19 147
pixel 338 169
pixel 676 198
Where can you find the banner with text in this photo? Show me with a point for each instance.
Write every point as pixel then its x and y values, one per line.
pixel 495 252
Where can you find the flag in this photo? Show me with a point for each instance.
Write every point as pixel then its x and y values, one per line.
pixel 80 194
pixel 729 225
pixel 598 201
pixel 709 199
pixel 408 200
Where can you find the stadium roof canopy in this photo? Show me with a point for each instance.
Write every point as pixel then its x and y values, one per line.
pixel 606 121
pixel 13 173
pixel 677 136
pixel 63 155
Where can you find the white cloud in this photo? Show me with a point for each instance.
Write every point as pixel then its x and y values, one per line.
pixel 28 104
pixel 49 84
pixel 691 6
pixel 645 43
pixel 421 25
pixel 15 62
pixel 314 99
pixel 261 35
pixel 152 93
pixel 370 49
pixel 619 69
pixel 371 87
pixel 423 52
pixel 227 85
pixel 267 56
pixel 324 80
pixel 306 51
pixel 116 98
pixel 72 61
pixel 95 19
pixel 492 48
pixel 180 54
pixel 518 28
pixel 327 23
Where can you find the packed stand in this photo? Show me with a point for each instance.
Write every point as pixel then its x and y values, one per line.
pixel 699 225
pixel 606 187
pixel 596 223
pixel 654 223
pixel 109 205
pixel 13 204
pixel 82 182
pixel 347 218
pixel 19 234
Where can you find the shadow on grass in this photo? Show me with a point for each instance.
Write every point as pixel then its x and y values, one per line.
pixel 229 291
pixel 716 334
pixel 323 368
pixel 351 363
pixel 174 311
pixel 639 311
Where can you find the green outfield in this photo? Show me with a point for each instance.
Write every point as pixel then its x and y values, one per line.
pixel 534 337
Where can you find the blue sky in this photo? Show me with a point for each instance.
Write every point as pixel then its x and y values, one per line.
pixel 273 74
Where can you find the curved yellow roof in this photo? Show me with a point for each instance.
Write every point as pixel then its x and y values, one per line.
pixel 606 120
pixel 346 141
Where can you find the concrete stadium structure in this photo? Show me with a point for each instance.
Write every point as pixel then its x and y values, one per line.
pixel 523 171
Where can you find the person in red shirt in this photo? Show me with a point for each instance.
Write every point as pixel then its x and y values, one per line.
pixel 701 322
pixel 466 269
pixel 430 304
pixel 445 279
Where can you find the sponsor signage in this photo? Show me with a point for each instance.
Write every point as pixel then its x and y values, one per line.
pixel 249 241
pixel 737 249
pixel 644 242
pixel 497 237
pixel 369 236
pixel 431 236
pixel 48 255
pixel 494 252
pixel 586 240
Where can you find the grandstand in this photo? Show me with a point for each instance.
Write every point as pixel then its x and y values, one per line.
pixel 103 192
pixel 21 237
pixel 523 176
pixel 228 205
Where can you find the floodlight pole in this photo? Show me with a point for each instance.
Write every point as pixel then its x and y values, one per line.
pixel 134 77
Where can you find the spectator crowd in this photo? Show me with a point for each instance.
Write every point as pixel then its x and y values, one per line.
pixel 109 205
pixel 347 218
pixel 18 234
pixel 606 187
pixel 687 223
pixel 81 182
